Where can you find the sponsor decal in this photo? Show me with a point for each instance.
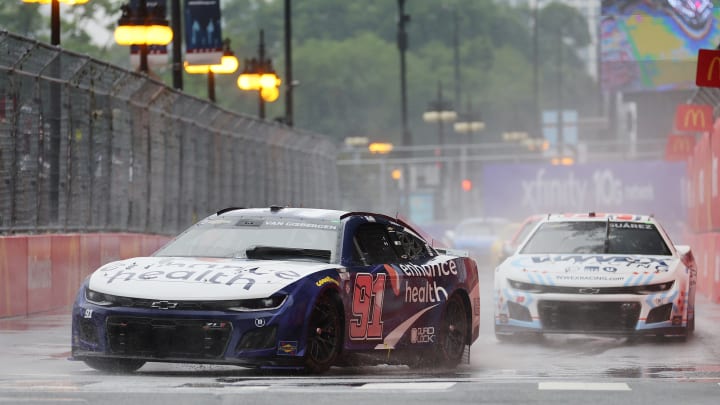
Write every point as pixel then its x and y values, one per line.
pixel 208 273
pixel 288 348
pixel 659 265
pixel 707 73
pixel 430 270
pixel 427 293
pixel 592 277
pixel 631 225
pixel 590 269
pixel 694 117
pixel 259 322
pixel 306 225
pixel 326 280
pixel 679 147
pixel 422 335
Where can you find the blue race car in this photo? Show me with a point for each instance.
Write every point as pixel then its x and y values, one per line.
pixel 283 288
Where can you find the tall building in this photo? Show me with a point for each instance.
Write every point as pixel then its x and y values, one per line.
pixel 590 9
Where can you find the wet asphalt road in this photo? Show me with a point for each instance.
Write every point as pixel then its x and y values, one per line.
pixel 557 369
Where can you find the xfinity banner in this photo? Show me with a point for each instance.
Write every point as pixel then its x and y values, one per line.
pixel 203 35
pixel 650 187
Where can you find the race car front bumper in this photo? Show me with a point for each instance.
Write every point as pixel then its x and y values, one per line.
pixel 661 313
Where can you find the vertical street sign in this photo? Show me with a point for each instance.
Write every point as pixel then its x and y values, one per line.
pixel 708 68
pixel 694 118
pixel 203 33
pixel 679 147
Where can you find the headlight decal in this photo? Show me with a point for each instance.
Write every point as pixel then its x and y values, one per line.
pixel 655 300
pixel 517 297
pixel 99 298
pixel 257 304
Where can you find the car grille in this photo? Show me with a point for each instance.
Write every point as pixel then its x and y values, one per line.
pixel 553 289
pixel 588 316
pixel 168 338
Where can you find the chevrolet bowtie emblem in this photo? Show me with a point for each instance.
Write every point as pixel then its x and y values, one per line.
pixel 164 305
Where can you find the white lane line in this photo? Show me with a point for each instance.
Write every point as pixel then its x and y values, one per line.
pixel 15 400
pixel 582 386
pixel 407 386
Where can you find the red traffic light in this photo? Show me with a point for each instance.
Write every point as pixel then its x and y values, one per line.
pixel 466 185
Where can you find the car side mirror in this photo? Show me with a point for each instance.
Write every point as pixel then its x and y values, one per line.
pixel 682 249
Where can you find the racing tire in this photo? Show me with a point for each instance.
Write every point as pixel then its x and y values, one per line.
pixel 454 334
pixel 325 334
pixel 114 366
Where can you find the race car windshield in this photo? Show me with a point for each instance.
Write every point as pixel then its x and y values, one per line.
pixel 295 240
pixel 597 237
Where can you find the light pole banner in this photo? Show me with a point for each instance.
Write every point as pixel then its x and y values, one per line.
pixel 203 33
pixel 656 187
pixel 157 54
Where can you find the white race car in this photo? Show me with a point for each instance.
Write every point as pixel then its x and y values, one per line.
pixel 599 274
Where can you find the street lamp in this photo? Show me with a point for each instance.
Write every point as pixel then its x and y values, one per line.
pixel 143 27
pixel 440 111
pixel 259 75
pixel 55 15
pixel 468 123
pixel 228 65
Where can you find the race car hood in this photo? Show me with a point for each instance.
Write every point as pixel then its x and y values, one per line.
pixel 595 270
pixel 180 278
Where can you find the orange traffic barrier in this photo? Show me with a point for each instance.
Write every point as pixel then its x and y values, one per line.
pixel 43 272
pixel 13 275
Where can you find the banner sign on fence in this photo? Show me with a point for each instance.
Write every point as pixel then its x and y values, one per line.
pixel 646 187
pixel 203 32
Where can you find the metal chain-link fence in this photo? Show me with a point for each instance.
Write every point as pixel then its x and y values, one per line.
pixel 87 146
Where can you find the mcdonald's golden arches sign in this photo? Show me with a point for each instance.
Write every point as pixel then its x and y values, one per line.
pixel 679 147
pixel 708 68
pixel 694 118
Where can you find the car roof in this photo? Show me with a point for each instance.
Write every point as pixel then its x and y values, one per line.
pixel 319 214
pixel 595 216
pixel 285 212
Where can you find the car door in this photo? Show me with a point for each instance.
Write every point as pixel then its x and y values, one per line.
pixel 389 285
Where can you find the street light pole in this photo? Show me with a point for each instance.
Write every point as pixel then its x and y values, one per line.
pixel 261 56
pixel 55 117
pixel 402 43
pixel 55 22
pixel 288 66
pixel 440 111
pixel 560 138
pixel 456 54
pixel 536 69
pixel 177 45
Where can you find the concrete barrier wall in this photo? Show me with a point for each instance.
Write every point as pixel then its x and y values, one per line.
pixel 43 272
